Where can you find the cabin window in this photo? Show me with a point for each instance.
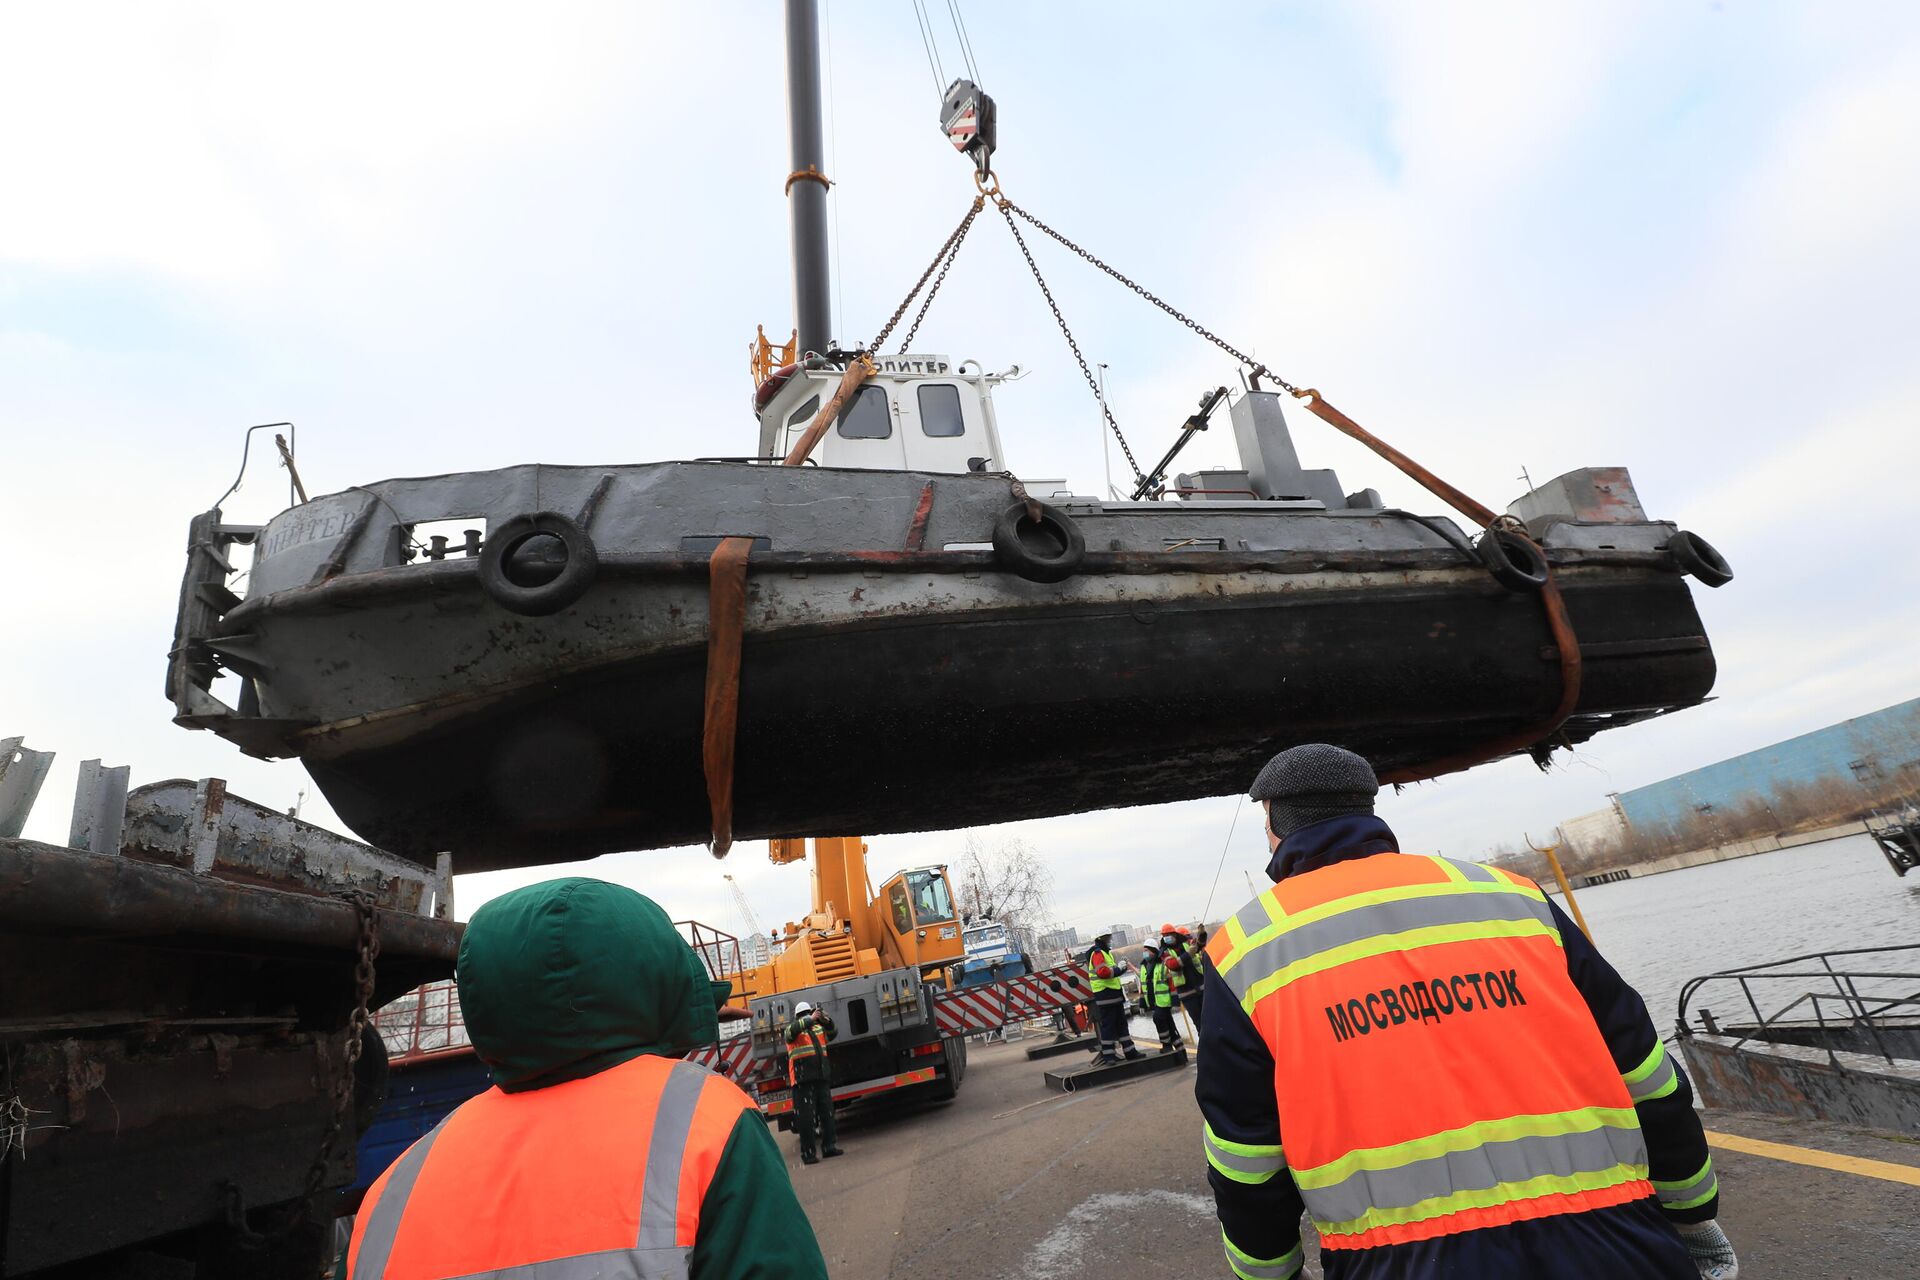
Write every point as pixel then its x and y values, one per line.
pixel 867 418
pixel 902 913
pixel 805 412
pixel 931 904
pixel 940 411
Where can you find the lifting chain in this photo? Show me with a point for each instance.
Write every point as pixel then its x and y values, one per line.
pixel 366 951
pixel 951 251
pixel 941 261
pixel 1259 370
pixel 1007 210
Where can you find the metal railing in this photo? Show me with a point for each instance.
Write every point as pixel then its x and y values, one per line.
pixel 428 1020
pixel 1845 996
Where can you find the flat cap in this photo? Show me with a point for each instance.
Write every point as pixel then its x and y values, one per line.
pixel 1313 782
pixel 1315 771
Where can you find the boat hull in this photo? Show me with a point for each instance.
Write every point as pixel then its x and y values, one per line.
pixel 906 725
pixel 900 671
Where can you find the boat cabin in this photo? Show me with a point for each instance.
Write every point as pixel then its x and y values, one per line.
pixel 918 413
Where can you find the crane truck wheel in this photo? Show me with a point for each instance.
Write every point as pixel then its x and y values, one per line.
pixel 954 1053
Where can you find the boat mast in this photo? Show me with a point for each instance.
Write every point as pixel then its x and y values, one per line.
pixel 807 186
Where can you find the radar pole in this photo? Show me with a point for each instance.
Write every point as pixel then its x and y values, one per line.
pixel 807 183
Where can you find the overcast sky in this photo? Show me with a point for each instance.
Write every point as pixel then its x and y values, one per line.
pixel 1675 236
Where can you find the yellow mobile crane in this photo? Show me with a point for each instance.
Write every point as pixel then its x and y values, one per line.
pixel 852 931
pixel 862 957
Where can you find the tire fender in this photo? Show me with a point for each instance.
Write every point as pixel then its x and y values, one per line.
pixel 1047 550
pixel 1699 560
pixel 538 594
pixel 1516 563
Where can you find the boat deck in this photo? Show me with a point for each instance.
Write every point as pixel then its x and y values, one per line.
pixel 1013 1181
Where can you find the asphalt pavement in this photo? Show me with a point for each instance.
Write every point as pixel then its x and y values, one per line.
pixel 1013 1181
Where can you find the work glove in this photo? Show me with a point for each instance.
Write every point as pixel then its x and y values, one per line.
pixel 1712 1252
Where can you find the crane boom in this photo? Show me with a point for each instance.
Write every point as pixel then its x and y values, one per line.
pixel 746 911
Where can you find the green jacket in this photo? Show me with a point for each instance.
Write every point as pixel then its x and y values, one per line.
pixel 565 979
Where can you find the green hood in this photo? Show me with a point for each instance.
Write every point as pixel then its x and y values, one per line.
pixel 567 978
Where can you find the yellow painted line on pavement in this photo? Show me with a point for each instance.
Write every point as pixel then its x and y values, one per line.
pixel 1882 1169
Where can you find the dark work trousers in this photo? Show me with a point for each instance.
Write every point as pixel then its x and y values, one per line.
pixel 1190 1001
pixel 1169 1033
pixel 813 1115
pixel 1112 1013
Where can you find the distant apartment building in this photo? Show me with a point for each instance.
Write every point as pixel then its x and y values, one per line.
pixel 1058 940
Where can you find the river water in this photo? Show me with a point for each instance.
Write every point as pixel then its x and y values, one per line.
pixel 1662 930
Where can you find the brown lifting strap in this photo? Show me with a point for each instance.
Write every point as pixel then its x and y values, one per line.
pixel 726 626
pixel 1559 625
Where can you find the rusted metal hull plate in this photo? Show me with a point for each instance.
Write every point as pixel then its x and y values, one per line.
pixel 1809 1083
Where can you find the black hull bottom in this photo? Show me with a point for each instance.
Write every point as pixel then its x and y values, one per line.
pixel 912 726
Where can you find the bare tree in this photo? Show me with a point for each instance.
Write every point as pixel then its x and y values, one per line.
pixel 1007 883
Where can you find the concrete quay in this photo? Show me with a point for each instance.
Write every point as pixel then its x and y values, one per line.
pixel 1010 1182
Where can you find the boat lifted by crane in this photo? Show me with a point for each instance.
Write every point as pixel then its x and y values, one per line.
pixel 872 624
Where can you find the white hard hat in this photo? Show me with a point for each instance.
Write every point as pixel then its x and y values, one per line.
pixel 802 1007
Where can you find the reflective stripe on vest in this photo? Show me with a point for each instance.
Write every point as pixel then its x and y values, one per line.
pixel 1159 990
pixel 1441 1072
pixel 1094 960
pixel 811 1043
pixel 571 1195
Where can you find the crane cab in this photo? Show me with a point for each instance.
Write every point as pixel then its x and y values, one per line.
pixel 917 413
pixel 916 908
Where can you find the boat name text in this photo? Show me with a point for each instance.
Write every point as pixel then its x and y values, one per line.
pixel 300 532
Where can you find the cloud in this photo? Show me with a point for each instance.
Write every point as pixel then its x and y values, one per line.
pixel 451 238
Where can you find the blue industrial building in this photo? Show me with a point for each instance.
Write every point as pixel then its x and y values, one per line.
pixel 1832 774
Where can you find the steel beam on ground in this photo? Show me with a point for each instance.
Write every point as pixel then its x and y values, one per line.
pixel 1054 1049
pixel 1074 1079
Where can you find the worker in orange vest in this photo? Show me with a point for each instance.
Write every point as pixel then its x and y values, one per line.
pixel 599 1150
pixel 811 1079
pixel 1433 1062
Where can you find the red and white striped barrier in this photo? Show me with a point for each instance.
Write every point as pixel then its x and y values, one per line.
pixel 730 1057
pixel 990 1007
